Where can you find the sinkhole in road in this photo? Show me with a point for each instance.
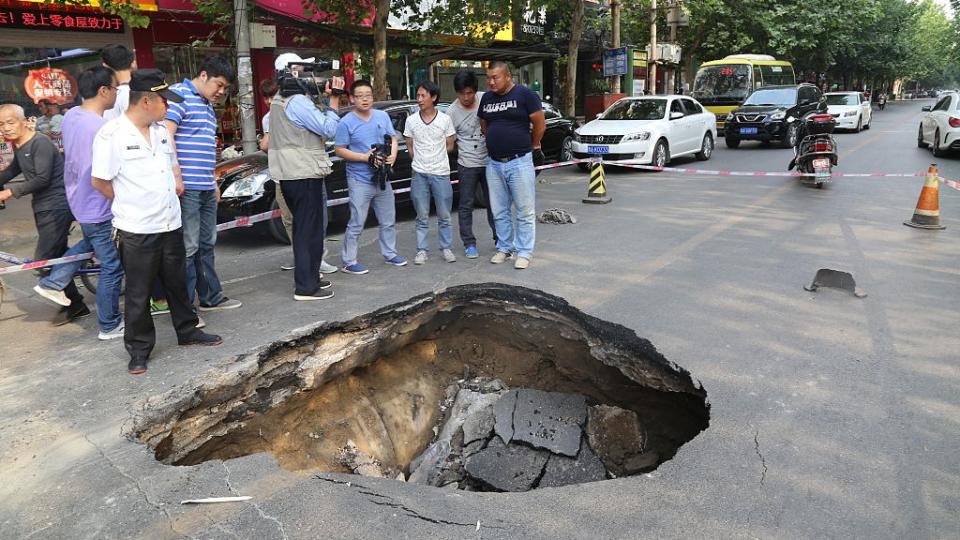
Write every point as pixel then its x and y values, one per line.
pixel 484 387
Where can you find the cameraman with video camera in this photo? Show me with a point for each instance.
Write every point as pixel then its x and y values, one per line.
pixel 299 162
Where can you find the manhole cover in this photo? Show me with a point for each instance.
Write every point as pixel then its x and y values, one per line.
pixel 482 387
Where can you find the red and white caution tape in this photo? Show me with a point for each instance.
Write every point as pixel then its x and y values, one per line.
pixel 951 183
pixel 46 262
pixel 632 165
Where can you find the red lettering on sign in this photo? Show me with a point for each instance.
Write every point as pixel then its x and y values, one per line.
pixel 29 19
pixel 69 22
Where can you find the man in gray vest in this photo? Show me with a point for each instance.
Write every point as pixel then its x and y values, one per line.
pixel 299 162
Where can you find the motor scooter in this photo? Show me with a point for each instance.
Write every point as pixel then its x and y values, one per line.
pixel 816 150
pixel 882 101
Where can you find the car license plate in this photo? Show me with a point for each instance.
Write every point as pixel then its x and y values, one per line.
pixel 821 164
pixel 598 149
pixel 748 131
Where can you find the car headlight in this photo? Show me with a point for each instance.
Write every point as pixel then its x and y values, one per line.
pixel 729 117
pixel 247 186
pixel 849 113
pixel 641 136
pixel 779 115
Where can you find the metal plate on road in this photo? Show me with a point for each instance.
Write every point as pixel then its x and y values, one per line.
pixel 598 149
pixel 748 131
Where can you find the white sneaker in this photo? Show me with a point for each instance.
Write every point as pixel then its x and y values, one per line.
pixel 521 263
pixel 500 257
pixel 327 268
pixel 112 334
pixel 421 257
pixel 57 297
pixel 449 256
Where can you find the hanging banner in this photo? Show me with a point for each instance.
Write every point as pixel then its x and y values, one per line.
pixel 67 21
pixel 53 84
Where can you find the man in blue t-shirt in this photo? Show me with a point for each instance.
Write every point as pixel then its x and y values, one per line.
pixel 357 133
pixel 506 114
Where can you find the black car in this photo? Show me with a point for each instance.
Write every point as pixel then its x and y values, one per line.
pixel 771 113
pixel 247 189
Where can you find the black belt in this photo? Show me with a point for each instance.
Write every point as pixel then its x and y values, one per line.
pixel 508 158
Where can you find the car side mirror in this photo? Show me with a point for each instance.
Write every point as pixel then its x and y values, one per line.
pixel 926 108
pixel 675 115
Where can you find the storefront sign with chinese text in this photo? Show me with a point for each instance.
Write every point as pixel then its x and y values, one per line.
pixel 71 21
pixel 53 84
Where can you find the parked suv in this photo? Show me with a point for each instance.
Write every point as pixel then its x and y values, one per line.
pixel 771 113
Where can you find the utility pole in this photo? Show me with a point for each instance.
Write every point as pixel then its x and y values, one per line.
pixel 615 20
pixel 248 124
pixel 652 57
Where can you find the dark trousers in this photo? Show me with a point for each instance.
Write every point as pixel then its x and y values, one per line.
pixel 470 178
pixel 307 200
pixel 53 227
pixel 145 258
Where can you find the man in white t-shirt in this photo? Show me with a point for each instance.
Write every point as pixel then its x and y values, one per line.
pixel 430 138
pixel 123 62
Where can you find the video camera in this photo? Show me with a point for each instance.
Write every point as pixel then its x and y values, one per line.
pixel 303 78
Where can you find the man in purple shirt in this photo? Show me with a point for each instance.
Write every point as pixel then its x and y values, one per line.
pixel 98 88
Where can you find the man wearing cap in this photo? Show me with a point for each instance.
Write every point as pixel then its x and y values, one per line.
pixel 299 162
pixel 133 161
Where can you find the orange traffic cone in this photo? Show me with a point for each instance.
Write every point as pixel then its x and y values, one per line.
pixel 927 214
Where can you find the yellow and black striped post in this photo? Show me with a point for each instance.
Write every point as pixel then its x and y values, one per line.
pixel 597 190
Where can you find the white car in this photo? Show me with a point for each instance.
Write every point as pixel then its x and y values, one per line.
pixel 851 110
pixel 940 127
pixel 648 129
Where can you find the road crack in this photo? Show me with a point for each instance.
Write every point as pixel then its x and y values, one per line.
pixel 388 501
pixel 136 483
pixel 763 461
pixel 263 515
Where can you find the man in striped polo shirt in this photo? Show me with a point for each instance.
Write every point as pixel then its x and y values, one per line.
pixel 193 126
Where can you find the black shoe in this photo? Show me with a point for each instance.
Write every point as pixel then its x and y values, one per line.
pixel 324 284
pixel 319 295
pixel 69 314
pixel 201 338
pixel 137 366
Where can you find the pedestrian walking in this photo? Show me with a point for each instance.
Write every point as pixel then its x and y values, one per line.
pixel 362 141
pixel 506 114
pixel 430 138
pixel 98 88
pixel 192 124
pixel 41 163
pixel 471 157
pixel 133 161
pixel 299 162
pixel 122 61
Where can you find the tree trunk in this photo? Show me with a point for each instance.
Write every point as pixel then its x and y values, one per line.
pixel 576 32
pixel 380 87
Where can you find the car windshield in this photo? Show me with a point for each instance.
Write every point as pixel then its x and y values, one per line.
pixel 842 99
pixel 636 109
pixel 773 96
pixel 731 81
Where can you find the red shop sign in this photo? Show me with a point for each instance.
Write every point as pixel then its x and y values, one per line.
pixel 53 84
pixel 68 21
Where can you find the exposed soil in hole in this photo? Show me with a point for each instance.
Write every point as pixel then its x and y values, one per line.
pixel 380 379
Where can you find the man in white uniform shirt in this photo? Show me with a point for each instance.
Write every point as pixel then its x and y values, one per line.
pixel 133 160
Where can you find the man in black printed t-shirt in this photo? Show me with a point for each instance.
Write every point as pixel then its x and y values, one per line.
pixel 506 114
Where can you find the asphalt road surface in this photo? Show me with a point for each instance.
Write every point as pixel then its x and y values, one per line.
pixel 832 416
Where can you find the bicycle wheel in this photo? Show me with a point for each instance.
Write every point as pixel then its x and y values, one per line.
pixel 90 275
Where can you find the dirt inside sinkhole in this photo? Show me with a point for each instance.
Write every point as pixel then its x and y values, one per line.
pixel 379 380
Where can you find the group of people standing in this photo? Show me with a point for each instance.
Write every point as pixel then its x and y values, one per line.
pixel 137 174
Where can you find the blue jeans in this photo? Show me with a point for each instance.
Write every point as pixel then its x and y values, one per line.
pixel 421 188
pixel 199 216
pixel 514 183
pixel 362 196
pixel 97 237
pixel 472 178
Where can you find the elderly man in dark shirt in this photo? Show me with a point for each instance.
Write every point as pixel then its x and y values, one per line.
pixel 41 163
